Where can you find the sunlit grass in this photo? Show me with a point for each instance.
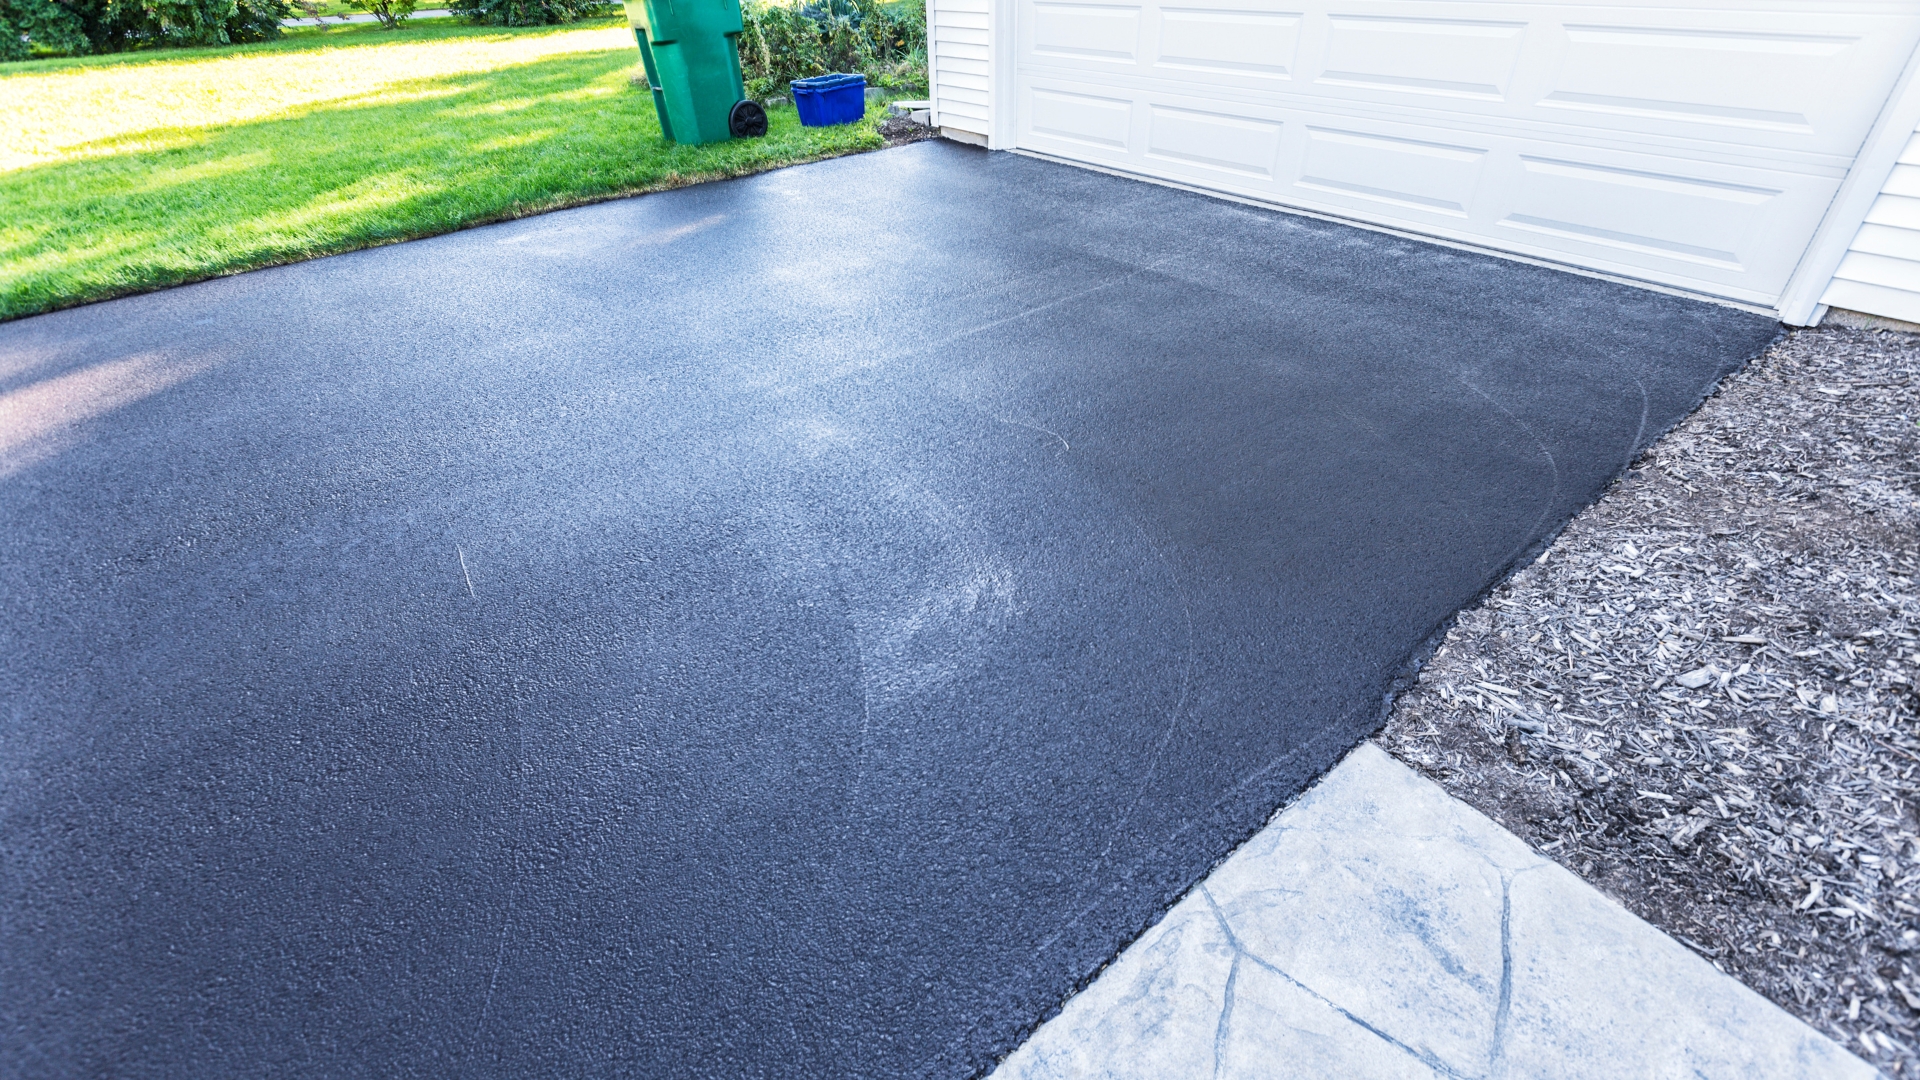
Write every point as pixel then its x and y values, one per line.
pixel 119 174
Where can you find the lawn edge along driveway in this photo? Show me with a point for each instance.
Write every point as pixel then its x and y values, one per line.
pixel 128 177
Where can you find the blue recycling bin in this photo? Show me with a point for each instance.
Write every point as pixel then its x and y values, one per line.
pixel 826 100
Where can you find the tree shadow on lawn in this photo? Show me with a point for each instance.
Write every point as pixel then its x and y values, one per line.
pixel 416 159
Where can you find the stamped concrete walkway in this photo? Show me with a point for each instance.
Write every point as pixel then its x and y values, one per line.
pixel 1380 928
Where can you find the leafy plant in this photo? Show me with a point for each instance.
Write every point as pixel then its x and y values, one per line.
pixel 27 24
pixel 193 22
pixel 782 42
pixel 391 13
pixel 530 12
pixel 78 27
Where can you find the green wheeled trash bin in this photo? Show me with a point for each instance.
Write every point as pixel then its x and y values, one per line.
pixel 690 49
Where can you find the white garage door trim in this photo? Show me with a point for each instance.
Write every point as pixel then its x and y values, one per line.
pixel 1342 119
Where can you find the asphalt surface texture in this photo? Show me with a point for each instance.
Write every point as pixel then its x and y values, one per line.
pixel 801 626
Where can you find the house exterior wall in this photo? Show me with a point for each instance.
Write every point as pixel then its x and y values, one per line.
pixel 1880 274
pixel 958 49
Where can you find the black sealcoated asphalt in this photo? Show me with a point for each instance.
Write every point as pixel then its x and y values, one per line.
pixel 799 626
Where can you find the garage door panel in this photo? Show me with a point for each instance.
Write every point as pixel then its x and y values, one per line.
pixel 1235 44
pixel 1078 119
pixel 1214 141
pixel 1454 58
pixel 1664 214
pixel 1733 84
pixel 1405 172
pixel 1103 34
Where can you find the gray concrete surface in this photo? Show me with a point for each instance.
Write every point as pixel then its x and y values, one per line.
pixel 1380 928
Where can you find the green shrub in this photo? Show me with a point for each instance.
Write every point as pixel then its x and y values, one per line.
pixel 531 12
pixel 27 25
pixel 782 42
pixel 78 27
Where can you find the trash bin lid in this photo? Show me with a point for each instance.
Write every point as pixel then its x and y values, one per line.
pixel 816 83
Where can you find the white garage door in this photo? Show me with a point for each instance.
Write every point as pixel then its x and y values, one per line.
pixel 1693 144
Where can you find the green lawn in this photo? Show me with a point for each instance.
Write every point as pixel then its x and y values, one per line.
pixel 126 173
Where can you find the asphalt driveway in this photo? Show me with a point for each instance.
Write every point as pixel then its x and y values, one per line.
pixel 800 626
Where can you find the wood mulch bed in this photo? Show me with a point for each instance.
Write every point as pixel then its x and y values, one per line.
pixel 1702 699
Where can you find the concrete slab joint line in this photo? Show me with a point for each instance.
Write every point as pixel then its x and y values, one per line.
pixel 1379 928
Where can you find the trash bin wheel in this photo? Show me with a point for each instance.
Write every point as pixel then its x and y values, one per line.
pixel 747 120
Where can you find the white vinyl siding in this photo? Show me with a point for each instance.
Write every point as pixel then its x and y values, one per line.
pixel 1881 272
pixel 958 44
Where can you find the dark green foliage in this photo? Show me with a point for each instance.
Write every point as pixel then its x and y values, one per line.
pixel 885 42
pixel 78 27
pixel 29 24
pixel 192 22
pixel 257 20
pixel 530 12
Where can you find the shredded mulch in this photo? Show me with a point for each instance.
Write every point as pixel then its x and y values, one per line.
pixel 1702 699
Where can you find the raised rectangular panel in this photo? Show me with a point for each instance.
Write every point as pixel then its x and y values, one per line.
pixel 1257 43
pixel 1446 57
pixel 1102 32
pixel 1726 78
pixel 1888 240
pixel 1435 177
pixel 1696 220
pixel 1082 118
pixel 1235 144
pixel 1897 210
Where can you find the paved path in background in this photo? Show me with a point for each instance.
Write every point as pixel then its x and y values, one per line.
pixel 437 13
pixel 803 625
pixel 1380 928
